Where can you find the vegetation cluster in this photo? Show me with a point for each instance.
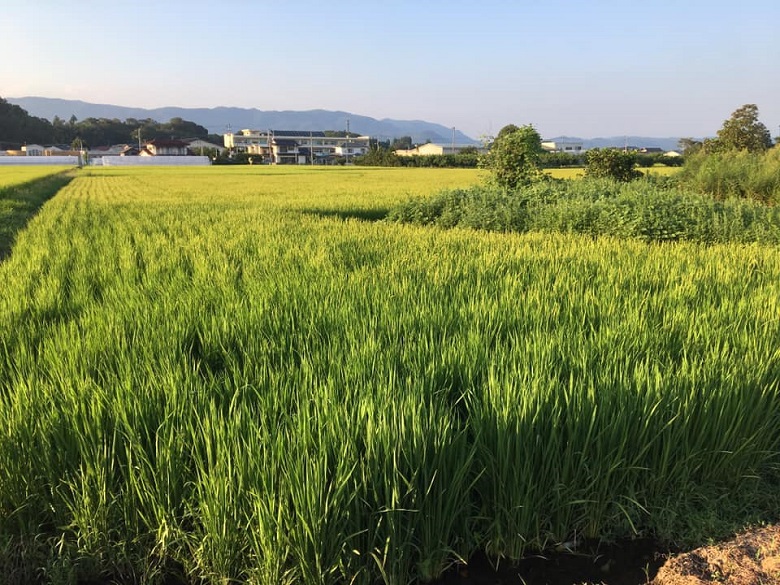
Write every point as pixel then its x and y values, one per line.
pixel 652 210
pixel 728 191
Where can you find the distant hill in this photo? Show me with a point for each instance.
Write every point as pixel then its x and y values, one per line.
pixel 219 120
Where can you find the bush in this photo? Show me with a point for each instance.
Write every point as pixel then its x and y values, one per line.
pixel 514 158
pixel 558 160
pixel 611 163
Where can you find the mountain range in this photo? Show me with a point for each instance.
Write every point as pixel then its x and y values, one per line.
pixel 220 120
pixel 228 119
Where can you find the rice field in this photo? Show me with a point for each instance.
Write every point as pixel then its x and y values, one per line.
pixel 22 191
pixel 227 375
pixel 11 176
pixel 577 172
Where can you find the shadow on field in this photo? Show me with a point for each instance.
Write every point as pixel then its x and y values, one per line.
pixel 372 214
pixel 20 203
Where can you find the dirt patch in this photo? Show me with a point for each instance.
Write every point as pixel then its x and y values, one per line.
pixel 751 558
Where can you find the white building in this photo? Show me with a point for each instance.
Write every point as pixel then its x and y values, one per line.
pixel 34 150
pixel 561 146
pixel 432 149
pixel 296 146
pixel 199 146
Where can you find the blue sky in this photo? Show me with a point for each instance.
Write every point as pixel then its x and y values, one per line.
pixel 576 67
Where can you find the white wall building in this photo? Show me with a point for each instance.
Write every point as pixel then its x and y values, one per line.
pixel 34 149
pixel 431 149
pixel 561 146
pixel 296 146
pixel 27 160
pixel 199 146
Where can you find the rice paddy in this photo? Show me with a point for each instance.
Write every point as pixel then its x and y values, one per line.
pixel 12 176
pixel 227 375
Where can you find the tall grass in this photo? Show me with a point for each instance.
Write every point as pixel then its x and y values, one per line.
pixel 735 175
pixel 206 382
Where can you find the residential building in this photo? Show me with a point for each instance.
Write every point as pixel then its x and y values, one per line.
pixel 199 146
pixel 99 151
pixel 33 149
pixel 159 147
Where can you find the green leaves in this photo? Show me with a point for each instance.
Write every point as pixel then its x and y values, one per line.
pixel 611 163
pixel 743 131
pixel 513 160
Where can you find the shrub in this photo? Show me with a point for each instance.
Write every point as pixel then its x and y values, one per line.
pixel 611 163
pixel 514 158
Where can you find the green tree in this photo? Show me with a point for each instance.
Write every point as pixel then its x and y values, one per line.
pixel 743 131
pixel 514 159
pixel 508 129
pixel 18 127
pixel 402 143
pixel 688 145
pixel 611 163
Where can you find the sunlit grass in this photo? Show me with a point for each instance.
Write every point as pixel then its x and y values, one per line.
pixel 11 175
pixel 22 194
pixel 575 173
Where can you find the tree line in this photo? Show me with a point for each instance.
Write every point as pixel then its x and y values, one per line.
pixel 18 127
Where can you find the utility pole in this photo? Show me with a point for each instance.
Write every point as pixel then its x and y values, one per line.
pixel 453 140
pixel 347 143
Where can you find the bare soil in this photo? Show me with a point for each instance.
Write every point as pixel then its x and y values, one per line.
pixel 751 558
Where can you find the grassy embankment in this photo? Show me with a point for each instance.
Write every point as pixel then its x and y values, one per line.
pixel 218 373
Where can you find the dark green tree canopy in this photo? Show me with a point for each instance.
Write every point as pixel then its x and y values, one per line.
pixel 402 143
pixel 743 131
pixel 508 129
pixel 18 127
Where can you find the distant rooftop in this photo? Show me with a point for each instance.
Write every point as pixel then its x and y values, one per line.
pixel 299 133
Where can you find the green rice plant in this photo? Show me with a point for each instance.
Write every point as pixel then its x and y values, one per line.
pixel 225 375
pixel 12 176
